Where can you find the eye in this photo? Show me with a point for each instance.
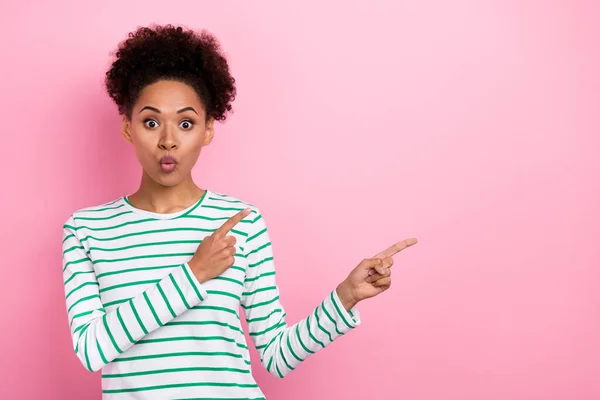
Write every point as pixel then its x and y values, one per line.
pixel 150 123
pixel 186 125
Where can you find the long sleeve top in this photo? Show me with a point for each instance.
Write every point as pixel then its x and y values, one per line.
pixel 137 312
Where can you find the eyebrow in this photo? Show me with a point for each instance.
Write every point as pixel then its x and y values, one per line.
pixel 156 110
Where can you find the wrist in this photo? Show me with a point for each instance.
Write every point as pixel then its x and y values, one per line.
pixel 346 295
pixel 197 271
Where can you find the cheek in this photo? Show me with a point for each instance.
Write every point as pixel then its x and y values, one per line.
pixel 144 147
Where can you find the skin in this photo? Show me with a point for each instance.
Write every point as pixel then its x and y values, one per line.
pixel 168 119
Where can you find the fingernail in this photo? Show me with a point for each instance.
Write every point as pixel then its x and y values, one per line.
pixel 369 279
pixel 371 272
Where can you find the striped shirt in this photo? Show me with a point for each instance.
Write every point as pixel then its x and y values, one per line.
pixel 137 312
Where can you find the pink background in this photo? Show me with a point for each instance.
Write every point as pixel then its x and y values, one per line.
pixel 471 125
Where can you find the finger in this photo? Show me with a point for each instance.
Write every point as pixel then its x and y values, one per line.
pixel 369 263
pixel 377 276
pixel 231 222
pixel 226 252
pixel 396 248
pixel 387 263
pixel 383 283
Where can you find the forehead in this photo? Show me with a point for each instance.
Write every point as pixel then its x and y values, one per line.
pixel 169 96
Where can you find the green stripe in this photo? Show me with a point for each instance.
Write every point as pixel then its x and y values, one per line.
pixel 79 287
pixel 147 232
pixel 276 326
pixel 102 218
pixel 330 318
pixel 173 370
pixel 85 351
pixel 124 327
pixel 226 208
pixel 198 203
pixel 260 276
pixel 244 221
pixel 134 283
pixel 320 327
pixel 68 237
pixel 102 275
pixel 226 200
pixel 301 342
pixel 82 300
pixel 264 348
pixel 138 317
pixel 107 228
pixel 261 304
pixel 278 371
pixel 193 338
pixel 114 303
pixel 256 235
pixel 189 278
pixel 221 293
pixel 289 345
pixel 110 335
pixel 224 278
pixel 142 257
pixel 104 360
pixel 217 308
pixel 185 354
pixel 264 260
pixel 85 327
pixel 180 385
pixel 235 267
pixel 310 333
pixel 252 320
pixel 263 289
pixel 339 311
pixel 147 244
pixel 74 262
pixel 164 296
pixel 104 209
pixel 283 356
pixel 72 248
pixel 185 303
pixel 224 324
pixel 75 274
pixel 152 309
pixel 259 248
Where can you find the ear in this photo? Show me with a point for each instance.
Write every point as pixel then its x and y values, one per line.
pixel 209 132
pixel 126 129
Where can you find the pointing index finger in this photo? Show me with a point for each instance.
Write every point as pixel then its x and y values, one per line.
pixel 231 222
pixel 396 248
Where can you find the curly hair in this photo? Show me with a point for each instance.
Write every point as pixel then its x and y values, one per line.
pixel 167 52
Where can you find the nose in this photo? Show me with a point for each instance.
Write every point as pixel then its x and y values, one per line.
pixel 168 140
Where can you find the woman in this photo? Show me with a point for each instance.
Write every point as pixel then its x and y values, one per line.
pixel 154 281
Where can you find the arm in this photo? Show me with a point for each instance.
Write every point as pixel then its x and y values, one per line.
pixel 281 347
pixel 100 337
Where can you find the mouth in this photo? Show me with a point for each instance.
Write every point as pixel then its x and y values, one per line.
pixel 168 164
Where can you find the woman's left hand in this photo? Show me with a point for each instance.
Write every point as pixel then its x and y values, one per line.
pixel 371 277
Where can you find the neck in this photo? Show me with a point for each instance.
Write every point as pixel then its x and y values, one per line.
pixel 154 197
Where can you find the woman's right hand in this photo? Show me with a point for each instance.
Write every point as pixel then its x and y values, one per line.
pixel 216 252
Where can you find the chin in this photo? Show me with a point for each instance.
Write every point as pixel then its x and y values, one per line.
pixel 168 179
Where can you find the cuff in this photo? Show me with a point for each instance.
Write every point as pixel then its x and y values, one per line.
pixel 350 319
pixel 192 289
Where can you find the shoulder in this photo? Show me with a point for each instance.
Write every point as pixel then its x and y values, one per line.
pixel 228 203
pixel 231 205
pixel 101 211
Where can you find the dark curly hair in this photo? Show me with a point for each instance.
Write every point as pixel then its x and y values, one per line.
pixel 167 52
